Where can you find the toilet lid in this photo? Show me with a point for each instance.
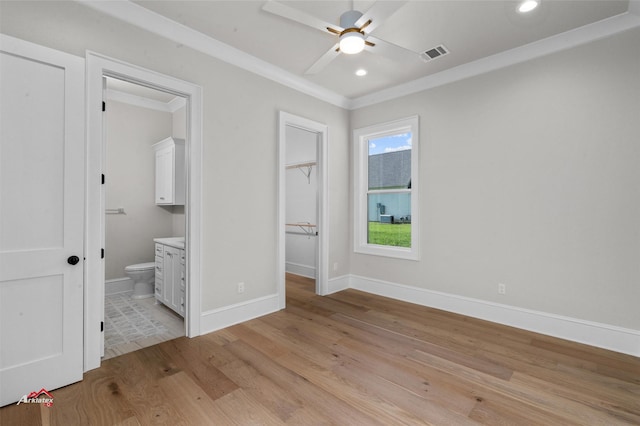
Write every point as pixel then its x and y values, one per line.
pixel 140 266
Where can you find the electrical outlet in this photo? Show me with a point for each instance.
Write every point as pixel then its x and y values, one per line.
pixel 335 266
pixel 240 287
pixel 502 289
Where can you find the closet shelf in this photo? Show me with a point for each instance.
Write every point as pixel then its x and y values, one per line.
pixel 300 165
pixel 306 227
pixel 308 165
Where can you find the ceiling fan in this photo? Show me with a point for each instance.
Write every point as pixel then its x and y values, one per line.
pixel 354 31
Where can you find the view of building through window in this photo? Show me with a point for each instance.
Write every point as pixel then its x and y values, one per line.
pixel 389 190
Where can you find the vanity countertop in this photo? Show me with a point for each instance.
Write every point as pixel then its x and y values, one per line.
pixel 177 242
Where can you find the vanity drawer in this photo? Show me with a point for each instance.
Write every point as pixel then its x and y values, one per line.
pixel 159 250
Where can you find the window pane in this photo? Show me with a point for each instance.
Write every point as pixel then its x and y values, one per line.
pixel 390 162
pixel 389 219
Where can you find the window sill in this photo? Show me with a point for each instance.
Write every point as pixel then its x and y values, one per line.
pixel 388 251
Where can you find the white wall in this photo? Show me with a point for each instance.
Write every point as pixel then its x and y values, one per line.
pixel 130 184
pixel 530 177
pixel 301 202
pixel 239 142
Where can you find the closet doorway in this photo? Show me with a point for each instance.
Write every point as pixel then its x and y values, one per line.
pixel 302 242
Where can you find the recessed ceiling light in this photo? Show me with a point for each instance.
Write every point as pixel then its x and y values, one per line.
pixel 361 72
pixel 528 5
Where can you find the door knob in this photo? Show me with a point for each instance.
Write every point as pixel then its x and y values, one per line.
pixel 72 260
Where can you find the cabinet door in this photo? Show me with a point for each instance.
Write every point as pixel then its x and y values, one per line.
pixel 167 276
pixel 164 176
pixel 181 290
pixel 172 273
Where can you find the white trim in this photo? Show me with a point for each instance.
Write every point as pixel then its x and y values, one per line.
pixel 601 335
pixel 322 261
pixel 307 271
pixel 97 67
pixel 146 19
pixel 143 18
pixel 337 284
pixel 142 102
pixel 118 285
pixel 217 319
pixel 361 190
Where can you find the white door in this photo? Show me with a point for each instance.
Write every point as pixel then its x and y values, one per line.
pixel 41 218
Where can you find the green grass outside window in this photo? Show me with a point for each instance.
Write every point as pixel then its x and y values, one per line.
pixel 390 234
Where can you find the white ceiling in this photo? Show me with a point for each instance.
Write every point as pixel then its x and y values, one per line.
pixel 471 30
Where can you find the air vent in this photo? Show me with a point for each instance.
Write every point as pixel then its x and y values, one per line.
pixel 434 53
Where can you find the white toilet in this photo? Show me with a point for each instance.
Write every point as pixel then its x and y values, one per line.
pixel 143 276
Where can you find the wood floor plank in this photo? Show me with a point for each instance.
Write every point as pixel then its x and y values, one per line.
pixel 333 407
pixel 352 358
pixel 246 410
pixel 187 358
pixel 355 395
pixel 191 402
pixel 534 396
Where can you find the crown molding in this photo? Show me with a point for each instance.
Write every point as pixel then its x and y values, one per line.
pixel 559 42
pixel 146 19
pixel 153 22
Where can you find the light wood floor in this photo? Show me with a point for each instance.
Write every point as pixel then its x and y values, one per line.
pixel 352 359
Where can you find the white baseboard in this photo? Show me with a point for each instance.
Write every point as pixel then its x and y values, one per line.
pixel 338 284
pixel 591 333
pixel 118 285
pixel 227 316
pixel 299 269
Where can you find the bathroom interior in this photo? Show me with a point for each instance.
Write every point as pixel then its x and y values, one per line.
pixel 145 280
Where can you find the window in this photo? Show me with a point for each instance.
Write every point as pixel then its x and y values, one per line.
pixel 386 195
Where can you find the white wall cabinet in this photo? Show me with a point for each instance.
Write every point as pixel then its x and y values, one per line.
pixel 170 171
pixel 170 277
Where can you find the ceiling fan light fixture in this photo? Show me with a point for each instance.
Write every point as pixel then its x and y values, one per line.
pixel 528 5
pixel 351 42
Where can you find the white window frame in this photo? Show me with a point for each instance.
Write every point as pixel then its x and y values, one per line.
pixel 361 139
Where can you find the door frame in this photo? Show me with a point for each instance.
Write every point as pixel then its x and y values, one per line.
pixel 322 254
pixel 97 67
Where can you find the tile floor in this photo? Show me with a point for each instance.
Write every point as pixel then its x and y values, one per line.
pixel 134 324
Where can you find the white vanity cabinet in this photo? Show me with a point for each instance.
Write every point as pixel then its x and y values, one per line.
pixel 170 277
pixel 170 172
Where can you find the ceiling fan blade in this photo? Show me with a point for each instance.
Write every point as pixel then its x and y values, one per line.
pixel 324 60
pixel 299 16
pixel 390 50
pixel 378 13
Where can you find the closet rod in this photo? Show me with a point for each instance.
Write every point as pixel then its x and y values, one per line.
pixel 119 210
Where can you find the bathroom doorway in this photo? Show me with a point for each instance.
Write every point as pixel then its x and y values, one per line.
pixel 135 119
pixel 98 67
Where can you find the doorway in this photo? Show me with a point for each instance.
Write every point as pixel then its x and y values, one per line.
pixel 302 202
pixel 136 119
pixel 98 67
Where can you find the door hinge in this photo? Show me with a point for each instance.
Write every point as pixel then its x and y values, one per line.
pixel 101 253
pixel 103 178
pixel 104 106
pixel 101 326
